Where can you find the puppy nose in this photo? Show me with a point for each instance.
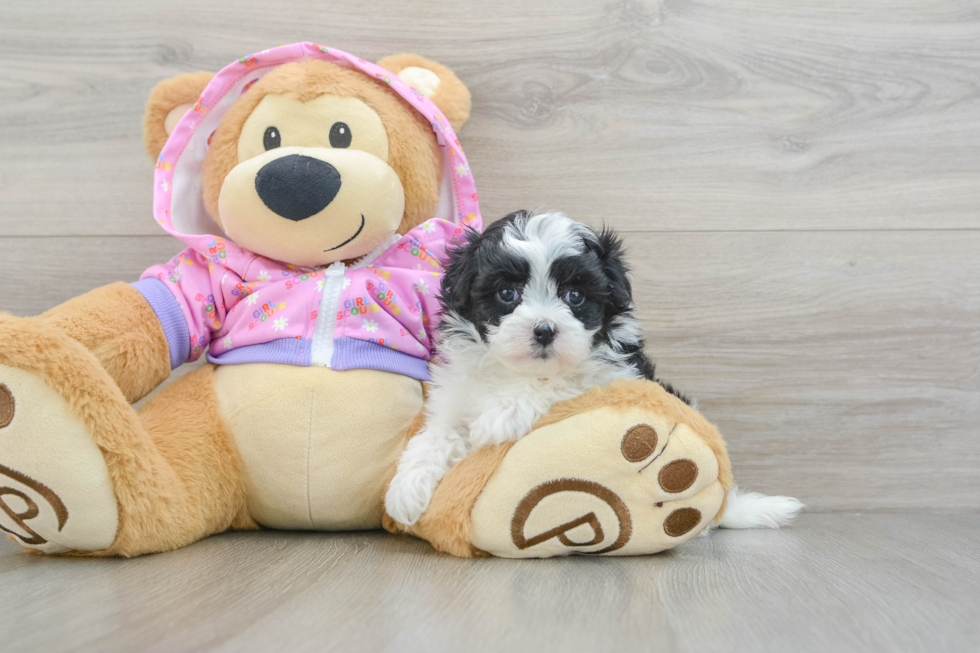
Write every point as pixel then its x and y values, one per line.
pixel 296 186
pixel 544 334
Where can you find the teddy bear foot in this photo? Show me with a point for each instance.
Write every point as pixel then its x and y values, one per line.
pixel 612 480
pixel 55 492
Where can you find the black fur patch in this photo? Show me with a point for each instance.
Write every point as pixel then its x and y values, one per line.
pixel 611 255
pixel 476 271
pixel 479 268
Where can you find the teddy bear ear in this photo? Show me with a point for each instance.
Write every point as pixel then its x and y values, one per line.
pixel 169 101
pixel 434 81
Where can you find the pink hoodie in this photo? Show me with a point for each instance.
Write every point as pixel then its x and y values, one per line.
pixel 378 313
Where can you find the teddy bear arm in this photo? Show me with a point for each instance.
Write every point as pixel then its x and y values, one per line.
pixel 118 326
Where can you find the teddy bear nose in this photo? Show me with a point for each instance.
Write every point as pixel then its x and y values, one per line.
pixel 296 186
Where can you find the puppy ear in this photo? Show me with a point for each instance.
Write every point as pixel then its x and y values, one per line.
pixel 435 82
pixel 168 102
pixel 609 248
pixel 461 271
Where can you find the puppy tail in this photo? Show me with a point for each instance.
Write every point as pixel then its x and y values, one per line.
pixel 754 510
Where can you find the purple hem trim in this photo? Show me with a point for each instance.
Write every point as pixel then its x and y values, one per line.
pixel 348 354
pixel 354 354
pixel 167 310
pixel 287 351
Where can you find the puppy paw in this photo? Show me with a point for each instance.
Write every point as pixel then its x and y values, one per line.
pixel 409 495
pixel 500 423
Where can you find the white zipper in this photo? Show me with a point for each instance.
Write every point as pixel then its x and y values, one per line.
pixel 326 319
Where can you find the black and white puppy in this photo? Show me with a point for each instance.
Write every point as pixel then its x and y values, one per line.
pixel 535 310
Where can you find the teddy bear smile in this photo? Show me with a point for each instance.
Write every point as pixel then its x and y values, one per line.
pixel 356 234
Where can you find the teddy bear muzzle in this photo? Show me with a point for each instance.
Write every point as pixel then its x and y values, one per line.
pixel 297 187
pixel 289 204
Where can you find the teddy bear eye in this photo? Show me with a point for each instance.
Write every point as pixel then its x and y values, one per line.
pixel 272 138
pixel 340 135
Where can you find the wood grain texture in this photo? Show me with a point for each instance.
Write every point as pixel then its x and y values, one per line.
pixel 842 367
pixel 674 115
pixel 843 582
pixel 44 272
pixel 798 186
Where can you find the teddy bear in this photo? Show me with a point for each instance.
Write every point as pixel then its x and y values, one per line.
pixel 317 194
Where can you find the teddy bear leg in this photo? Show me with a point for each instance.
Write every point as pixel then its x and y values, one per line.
pixel 627 469
pixel 199 470
pixel 81 473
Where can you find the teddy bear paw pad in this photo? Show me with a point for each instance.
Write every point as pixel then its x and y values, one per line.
pixel 609 481
pixel 55 491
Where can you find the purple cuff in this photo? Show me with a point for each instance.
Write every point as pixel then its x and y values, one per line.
pixel 165 305
pixel 286 351
pixel 354 354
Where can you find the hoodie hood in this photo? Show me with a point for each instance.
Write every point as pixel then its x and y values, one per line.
pixel 217 297
pixel 178 204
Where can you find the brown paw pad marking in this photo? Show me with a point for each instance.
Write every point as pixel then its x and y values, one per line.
pixel 638 443
pixel 678 476
pixel 604 494
pixel 681 521
pixel 6 406
pixel 21 518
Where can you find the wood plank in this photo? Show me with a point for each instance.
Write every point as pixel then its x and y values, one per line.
pixel 40 273
pixel 44 272
pixel 841 367
pixel 751 148
pixel 847 582
pixel 706 115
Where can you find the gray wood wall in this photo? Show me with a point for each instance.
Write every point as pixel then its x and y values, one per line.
pixel 799 187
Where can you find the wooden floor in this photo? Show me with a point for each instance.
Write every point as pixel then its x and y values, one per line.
pixel 842 582
pixel 799 187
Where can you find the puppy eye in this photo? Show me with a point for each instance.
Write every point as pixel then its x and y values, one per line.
pixel 508 295
pixel 574 298
pixel 340 135
pixel 272 138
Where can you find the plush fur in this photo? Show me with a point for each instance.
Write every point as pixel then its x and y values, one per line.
pixel 174 473
pixel 132 348
pixel 451 95
pixel 174 467
pixel 653 397
pixel 500 371
pixel 413 153
pixel 447 524
pixel 740 509
pixel 536 310
pixel 165 97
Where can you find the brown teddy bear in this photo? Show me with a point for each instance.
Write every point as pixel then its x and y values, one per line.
pixel 317 194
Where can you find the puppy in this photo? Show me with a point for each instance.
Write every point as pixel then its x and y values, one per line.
pixel 535 310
